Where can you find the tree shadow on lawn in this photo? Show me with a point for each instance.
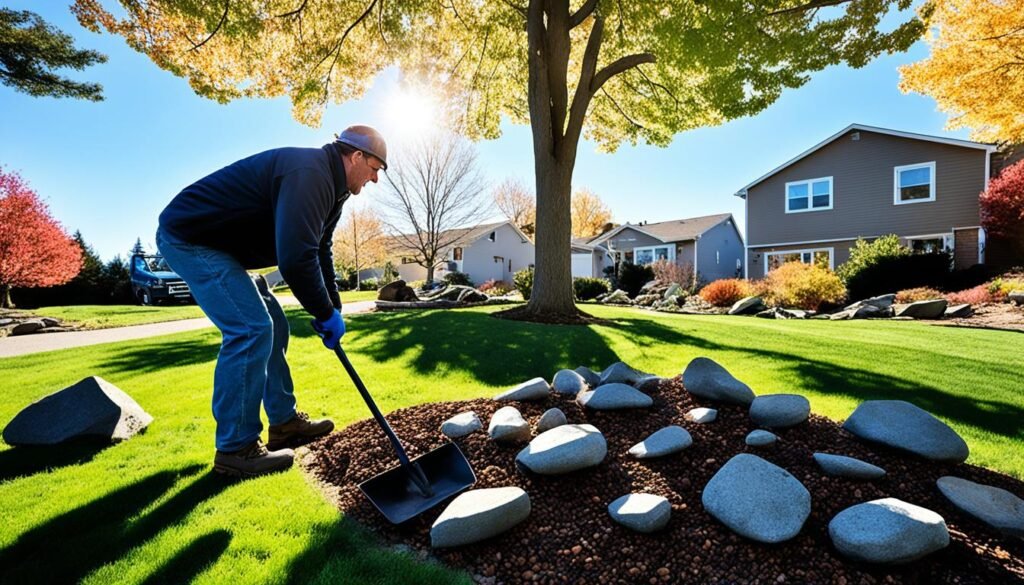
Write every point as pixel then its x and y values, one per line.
pixel 155 356
pixel 30 460
pixel 71 546
pixel 192 560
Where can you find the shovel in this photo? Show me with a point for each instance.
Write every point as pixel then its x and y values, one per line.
pixel 416 485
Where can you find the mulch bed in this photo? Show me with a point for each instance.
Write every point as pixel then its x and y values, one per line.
pixel 570 538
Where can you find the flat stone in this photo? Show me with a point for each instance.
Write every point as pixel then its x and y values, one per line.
pixel 1016 297
pixel 535 389
pixel 643 513
pixel 568 382
pixel 702 415
pixel 508 426
pixel 672 291
pixel 903 426
pixel 27 327
pixel 614 397
pixel 958 311
pixel 50 322
pixel 760 438
pixel 479 514
pixel 705 378
pixel 930 309
pixel 592 378
pixel 848 467
pixel 564 449
pixel 666 441
pixel 994 506
pixel 747 305
pixel 92 407
pixel 887 531
pixel 880 302
pixel 553 417
pixel 757 499
pixel 461 425
pixel 777 411
pixel 619 372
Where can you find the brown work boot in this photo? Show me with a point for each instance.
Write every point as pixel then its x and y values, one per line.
pixel 252 460
pixel 298 430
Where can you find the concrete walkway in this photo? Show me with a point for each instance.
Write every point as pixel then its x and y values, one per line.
pixel 25 344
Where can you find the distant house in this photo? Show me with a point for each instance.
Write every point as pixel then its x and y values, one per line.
pixel 866 182
pixel 711 244
pixel 493 251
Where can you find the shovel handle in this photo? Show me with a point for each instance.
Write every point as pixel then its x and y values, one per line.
pixel 402 457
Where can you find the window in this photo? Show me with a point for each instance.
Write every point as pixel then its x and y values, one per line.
pixel 491 237
pixel 914 183
pixel 457 254
pixel 819 257
pixel 810 195
pixel 930 244
pixel 650 254
pixel 408 260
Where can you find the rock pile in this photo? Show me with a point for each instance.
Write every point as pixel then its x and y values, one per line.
pixel 21 323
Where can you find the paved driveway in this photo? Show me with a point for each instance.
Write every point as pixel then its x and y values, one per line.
pixel 25 344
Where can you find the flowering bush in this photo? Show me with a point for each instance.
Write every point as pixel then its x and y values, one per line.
pixel 725 292
pixel 1003 286
pixel 803 286
pixel 978 295
pixel 921 293
pixel 496 288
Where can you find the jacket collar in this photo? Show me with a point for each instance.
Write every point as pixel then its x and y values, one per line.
pixel 337 172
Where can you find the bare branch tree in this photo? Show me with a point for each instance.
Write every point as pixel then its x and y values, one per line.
pixel 517 204
pixel 433 189
pixel 359 241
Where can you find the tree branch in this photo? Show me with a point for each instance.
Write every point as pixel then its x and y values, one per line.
pixel 623 112
pixel 223 18
pixel 618 66
pixel 581 15
pixel 295 12
pixel 813 5
pixel 516 7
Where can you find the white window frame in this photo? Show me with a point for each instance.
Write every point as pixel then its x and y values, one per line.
pixel 810 195
pixel 671 252
pixel 896 182
pixel 811 251
pixel 948 239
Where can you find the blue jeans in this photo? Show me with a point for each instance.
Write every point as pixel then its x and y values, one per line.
pixel 251 365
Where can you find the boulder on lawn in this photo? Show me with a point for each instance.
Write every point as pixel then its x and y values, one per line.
pixel 887 531
pixel 906 427
pixel 705 378
pixel 553 417
pixel 508 426
pixel 958 311
pixel 616 297
pixel 881 302
pixel 568 382
pixel 461 425
pixel 994 506
pixel 777 411
pixel 620 372
pixel 564 449
pixel 534 389
pixel 643 513
pixel 931 309
pixel 471 295
pixel 479 514
pixel 614 397
pixel 757 499
pixel 26 327
pixel 747 306
pixel 848 467
pixel 91 408
pixel 397 291
pixel 671 439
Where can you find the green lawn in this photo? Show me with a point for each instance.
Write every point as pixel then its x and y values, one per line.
pixel 351 296
pixel 106 316
pixel 148 510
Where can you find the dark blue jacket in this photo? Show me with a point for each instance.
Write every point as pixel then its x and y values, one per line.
pixel 278 207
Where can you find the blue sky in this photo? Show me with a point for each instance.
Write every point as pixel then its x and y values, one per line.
pixel 109 168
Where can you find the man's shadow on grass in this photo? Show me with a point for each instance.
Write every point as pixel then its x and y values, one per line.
pixel 69 547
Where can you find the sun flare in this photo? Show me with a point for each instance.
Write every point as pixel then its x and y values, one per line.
pixel 411 113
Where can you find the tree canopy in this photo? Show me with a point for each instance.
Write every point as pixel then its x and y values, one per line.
pixel 589 213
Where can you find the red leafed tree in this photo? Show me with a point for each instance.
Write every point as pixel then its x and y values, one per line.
pixel 1002 204
pixel 35 250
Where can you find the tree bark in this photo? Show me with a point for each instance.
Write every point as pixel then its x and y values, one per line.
pixel 5 297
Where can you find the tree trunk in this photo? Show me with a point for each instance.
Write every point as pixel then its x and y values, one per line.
pixel 430 273
pixel 552 282
pixel 5 297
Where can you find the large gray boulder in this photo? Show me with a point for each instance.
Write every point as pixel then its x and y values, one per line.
pixel 564 449
pixel 1016 297
pixel 931 309
pixel 479 514
pixel 848 467
pixel 591 377
pixel 702 415
pixel 705 378
pixel 887 531
pixel 621 373
pixel 535 389
pixel 958 311
pixel 777 411
pixel 568 382
pixel 903 426
pixel 461 425
pixel 92 408
pixel 644 513
pixel 553 417
pixel 508 426
pixel 760 438
pixel 671 439
pixel 880 302
pixel 747 306
pixel 757 499
pixel 26 327
pixel 614 397
pixel 994 506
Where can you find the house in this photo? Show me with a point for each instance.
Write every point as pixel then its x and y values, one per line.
pixel 493 251
pixel 712 245
pixel 866 182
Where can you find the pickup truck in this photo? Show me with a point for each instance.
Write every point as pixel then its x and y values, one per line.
pixel 153 281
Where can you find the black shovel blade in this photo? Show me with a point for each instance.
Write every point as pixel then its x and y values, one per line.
pixel 397 496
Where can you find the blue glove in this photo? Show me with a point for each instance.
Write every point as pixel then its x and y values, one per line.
pixel 330 330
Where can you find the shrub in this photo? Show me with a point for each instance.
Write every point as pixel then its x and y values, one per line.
pixel 899 273
pixel 458 278
pixel 960 280
pixel 921 293
pixel 589 288
pixel 633 277
pixel 1003 286
pixel 865 254
pixel 804 286
pixel 369 284
pixel 978 295
pixel 496 288
pixel 668 272
pixel 524 281
pixel 726 291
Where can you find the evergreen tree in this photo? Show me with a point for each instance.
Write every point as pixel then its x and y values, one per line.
pixel 117 282
pixel 138 248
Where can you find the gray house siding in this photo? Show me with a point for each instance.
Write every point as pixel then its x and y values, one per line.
pixel 484 260
pixel 628 239
pixel 718 251
pixel 862 174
